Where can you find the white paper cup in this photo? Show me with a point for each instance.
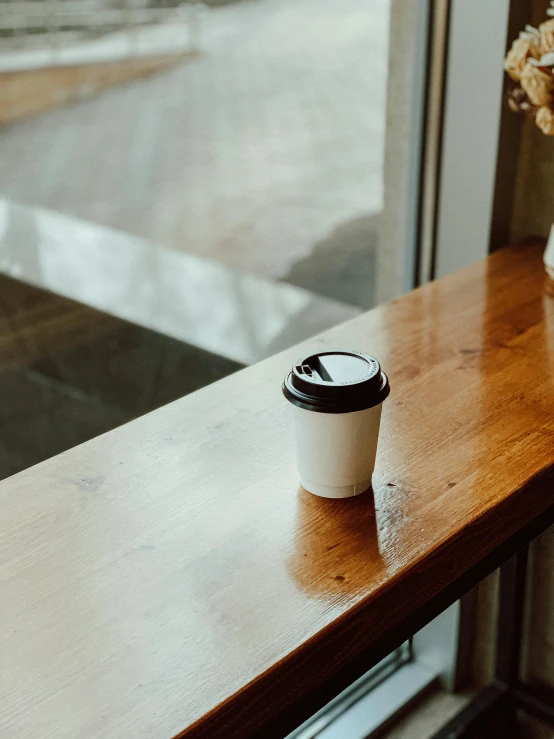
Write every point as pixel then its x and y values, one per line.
pixel 336 399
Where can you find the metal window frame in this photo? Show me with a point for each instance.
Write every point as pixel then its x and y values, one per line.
pixel 386 691
pixel 465 126
pixel 331 718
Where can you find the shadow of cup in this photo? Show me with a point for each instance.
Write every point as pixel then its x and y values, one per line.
pixel 336 547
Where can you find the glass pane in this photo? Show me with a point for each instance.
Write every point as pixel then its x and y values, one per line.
pixel 185 189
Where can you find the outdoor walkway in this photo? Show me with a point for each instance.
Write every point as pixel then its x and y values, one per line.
pixel 262 153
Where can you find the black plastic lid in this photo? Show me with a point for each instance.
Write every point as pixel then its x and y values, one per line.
pixel 336 382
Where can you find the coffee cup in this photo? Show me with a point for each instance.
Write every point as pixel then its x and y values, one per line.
pixel 336 399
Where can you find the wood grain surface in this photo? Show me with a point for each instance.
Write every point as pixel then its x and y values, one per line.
pixel 170 577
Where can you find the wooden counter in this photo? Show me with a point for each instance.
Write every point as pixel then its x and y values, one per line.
pixel 170 577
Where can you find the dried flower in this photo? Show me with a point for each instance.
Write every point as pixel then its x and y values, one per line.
pixel 525 47
pixel 546 60
pixel 530 62
pixel 538 85
pixel 518 102
pixel 545 120
pixel 546 31
pixel 531 33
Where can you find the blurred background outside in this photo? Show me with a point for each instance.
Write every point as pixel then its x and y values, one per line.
pixel 260 145
pixel 205 180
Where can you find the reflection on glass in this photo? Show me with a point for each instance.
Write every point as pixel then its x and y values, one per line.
pixel 206 178
pixel 69 373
